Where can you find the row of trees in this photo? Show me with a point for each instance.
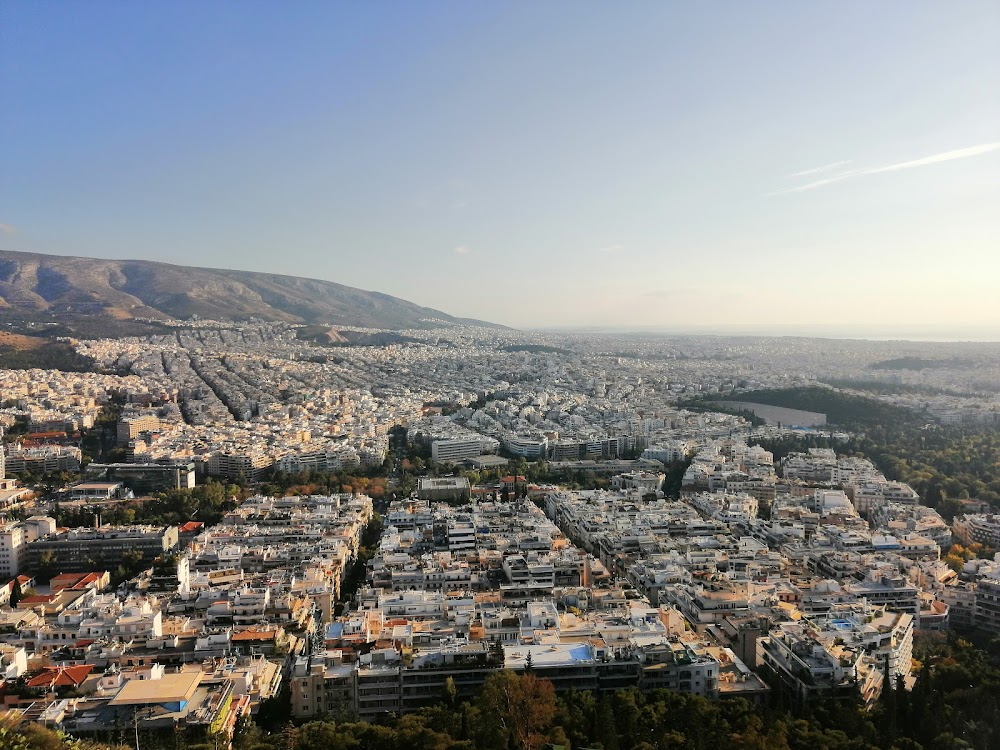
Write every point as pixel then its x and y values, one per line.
pixel 372 483
pixel 366 551
pixel 210 501
pixel 207 502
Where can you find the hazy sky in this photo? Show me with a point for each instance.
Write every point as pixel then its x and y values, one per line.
pixel 555 163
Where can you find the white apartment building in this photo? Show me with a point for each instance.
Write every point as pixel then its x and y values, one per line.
pixel 983 528
pixel 12 548
pixel 526 447
pixel 456 449
pixel 668 452
pixel 14 538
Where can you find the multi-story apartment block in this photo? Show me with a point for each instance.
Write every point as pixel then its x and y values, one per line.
pixel 987 593
pixel 14 539
pixel 982 528
pixel 447 488
pixel 130 426
pixel 43 459
pixel 12 549
pixel 248 466
pixel 526 446
pixel 840 655
pixel 457 449
pixel 82 549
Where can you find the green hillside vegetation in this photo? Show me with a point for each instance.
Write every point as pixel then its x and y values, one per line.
pixel 917 363
pixel 845 410
pixel 943 464
pixel 883 388
pixel 328 336
pixel 52 355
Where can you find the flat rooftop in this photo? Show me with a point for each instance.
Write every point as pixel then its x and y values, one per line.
pixel 170 688
pixel 446 483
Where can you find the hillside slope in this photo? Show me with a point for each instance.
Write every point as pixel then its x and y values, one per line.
pixel 33 283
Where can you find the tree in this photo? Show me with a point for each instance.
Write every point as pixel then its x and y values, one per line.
pixel 289 737
pixel 322 735
pixel 450 696
pixel 15 593
pixel 46 565
pixel 522 705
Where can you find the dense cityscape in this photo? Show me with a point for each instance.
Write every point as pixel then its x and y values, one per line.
pixel 452 375
pixel 234 522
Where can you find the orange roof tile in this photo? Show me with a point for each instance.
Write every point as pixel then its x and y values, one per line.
pixel 62 676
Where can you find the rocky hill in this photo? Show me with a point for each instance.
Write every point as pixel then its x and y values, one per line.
pixel 32 284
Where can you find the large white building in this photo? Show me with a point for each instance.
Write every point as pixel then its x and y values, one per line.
pixel 14 538
pixel 457 449
pixel 11 549
pixel 526 447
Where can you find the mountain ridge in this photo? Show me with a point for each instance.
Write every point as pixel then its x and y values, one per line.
pixel 56 284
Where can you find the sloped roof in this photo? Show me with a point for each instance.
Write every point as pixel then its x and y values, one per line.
pixel 62 676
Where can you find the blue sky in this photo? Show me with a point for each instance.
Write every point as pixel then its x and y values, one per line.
pixel 536 164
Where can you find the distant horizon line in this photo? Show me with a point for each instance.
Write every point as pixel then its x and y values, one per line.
pixel 916 334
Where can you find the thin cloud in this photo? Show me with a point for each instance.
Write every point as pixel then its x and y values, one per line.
pixel 461 250
pixel 944 156
pixel 7 229
pixel 616 248
pixel 818 170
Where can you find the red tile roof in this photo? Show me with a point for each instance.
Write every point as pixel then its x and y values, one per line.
pixel 88 579
pixel 62 676
pixel 75 580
